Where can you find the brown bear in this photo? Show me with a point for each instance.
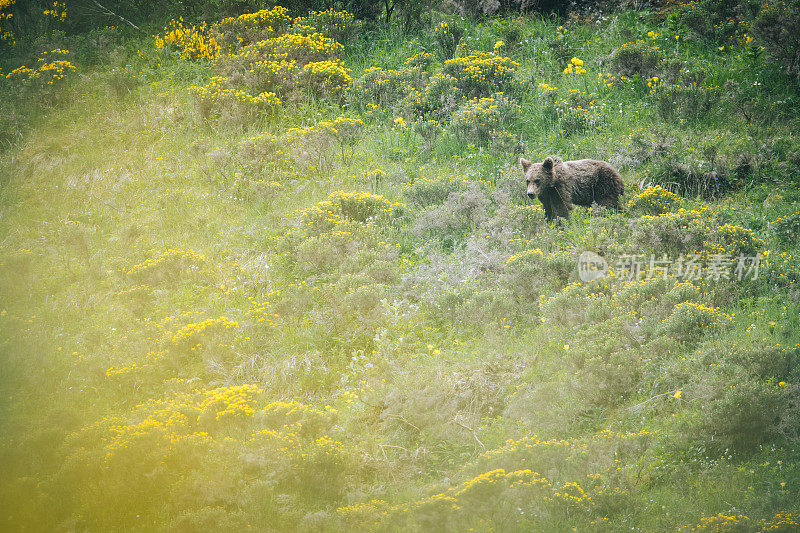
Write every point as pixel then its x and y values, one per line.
pixel 562 184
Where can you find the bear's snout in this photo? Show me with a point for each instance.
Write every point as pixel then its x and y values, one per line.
pixel 532 195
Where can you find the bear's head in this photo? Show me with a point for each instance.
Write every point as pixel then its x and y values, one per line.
pixel 539 176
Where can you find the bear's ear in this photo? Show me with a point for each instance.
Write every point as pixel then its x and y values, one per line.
pixel 547 164
pixel 525 164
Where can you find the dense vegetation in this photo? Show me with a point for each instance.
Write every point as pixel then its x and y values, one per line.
pixel 277 270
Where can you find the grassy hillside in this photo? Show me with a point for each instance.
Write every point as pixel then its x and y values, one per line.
pixel 281 274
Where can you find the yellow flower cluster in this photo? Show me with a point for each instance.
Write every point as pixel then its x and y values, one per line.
pixel 6 35
pixel 168 257
pixel 575 66
pixel 723 522
pixel 218 90
pixel 225 402
pixel 190 332
pixel 534 253
pixel 340 207
pixel 327 77
pixel 304 48
pixel 545 87
pixel 654 200
pixel 262 311
pixel 273 18
pixel 58 12
pixel 49 70
pixel 191 42
pixel 481 71
pixel 131 366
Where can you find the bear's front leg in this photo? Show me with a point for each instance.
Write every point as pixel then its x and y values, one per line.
pixel 559 207
pixel 548 206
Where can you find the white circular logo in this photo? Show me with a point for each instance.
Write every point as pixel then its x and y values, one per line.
pixel 591 266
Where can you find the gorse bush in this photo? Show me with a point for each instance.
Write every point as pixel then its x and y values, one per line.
pixel 478 119
pixel 654 200
pixel 368 324
pixel 233 33
pixel 221 101
pixel 777 25
pixel 52 67
pixel 191 43
pixel 280 67
pixel 341 206
pixel 379 87
pixel 685 102
pixel 637 58
pixel 448 36
pixel 690 321
pixel 341 26
pixel 481 74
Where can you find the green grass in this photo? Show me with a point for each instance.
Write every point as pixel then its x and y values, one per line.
pixel 418 357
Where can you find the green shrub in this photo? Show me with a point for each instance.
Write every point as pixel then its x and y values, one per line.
pixel 637 58
pixel 448 36
pixel 691 321
pixel 745 415
pixel 777 26
pixel 715 20
pixel 786 229
pixel 476 121
pixel 685 102
pixel 425 192
pixel 436 102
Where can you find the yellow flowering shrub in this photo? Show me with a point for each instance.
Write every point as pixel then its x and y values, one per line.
pixel 57 12
pixel 341 26
pixel 190 334
pixel 167 265
pixel 191 42
pixel 221 100
pixel 288 65
pixel 341 206
pixel 384 87
pixel 690 321
pixel 654 200
pixel 482 73
pixel 476 121
pixel 234 32
pixel 51 68
pixel 6 35
pixel 301 48
pixel 325 79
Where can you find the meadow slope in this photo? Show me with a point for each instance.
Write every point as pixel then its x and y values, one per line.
pixel 281 274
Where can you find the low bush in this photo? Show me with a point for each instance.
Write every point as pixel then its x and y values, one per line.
pixel 637 58
pixel 654 200
pixel 477 121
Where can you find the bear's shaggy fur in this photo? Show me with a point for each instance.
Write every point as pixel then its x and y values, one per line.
pixel 560 185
